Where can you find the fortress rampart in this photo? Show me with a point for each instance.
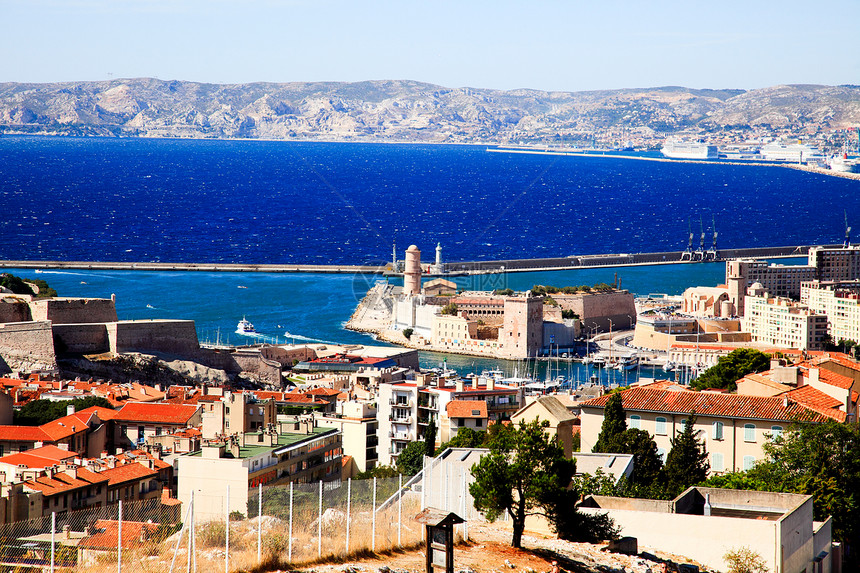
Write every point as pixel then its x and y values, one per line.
pixel 73 310
pixel 26 345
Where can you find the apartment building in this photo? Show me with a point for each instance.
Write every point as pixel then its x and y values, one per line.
pixel 137 421
pixel 840 301
pixel 407 408
pixel 359 428
pixel 235 412
pixel 303 455
pixel 733 427
pixel 781 322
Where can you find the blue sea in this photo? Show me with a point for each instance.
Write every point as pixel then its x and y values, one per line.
pixel 276 202
pixel 279 202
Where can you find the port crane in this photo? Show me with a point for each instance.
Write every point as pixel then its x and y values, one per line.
pixel 712 252
pixel 687 255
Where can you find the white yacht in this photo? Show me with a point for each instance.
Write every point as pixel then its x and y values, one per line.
pixel 245 327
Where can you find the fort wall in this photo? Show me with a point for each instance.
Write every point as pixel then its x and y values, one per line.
pixel 14 309
pixel 178 337
pixel 73 310
pixel 26 345
pixel 81 338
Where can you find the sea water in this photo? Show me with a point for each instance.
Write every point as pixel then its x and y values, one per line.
pixel 277 202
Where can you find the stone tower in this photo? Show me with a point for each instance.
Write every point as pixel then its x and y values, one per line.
pixel 412 271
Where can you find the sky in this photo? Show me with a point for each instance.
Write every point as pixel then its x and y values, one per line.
pixel 566 45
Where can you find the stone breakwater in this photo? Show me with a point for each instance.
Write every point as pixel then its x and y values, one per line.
pixel 457 268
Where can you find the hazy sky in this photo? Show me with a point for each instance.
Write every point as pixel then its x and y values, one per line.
pixel 549 45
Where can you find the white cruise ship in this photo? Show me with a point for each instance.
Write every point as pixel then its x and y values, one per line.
pixel 688 150
pixel 844 164
pixel 794 153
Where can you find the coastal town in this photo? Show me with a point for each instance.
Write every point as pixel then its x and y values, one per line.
pixel 152 416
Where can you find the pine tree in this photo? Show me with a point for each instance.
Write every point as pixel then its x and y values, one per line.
pixel 430 439
pixel 614 425
pixel 687 462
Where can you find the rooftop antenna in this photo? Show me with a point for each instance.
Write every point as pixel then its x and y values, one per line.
pixel 847 232
pixel 687 255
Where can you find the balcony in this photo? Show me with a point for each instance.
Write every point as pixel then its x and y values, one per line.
pixel 400 403
pixel 401 436
pixel 400 420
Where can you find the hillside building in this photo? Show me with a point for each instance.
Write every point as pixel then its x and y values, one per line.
pixel 782 322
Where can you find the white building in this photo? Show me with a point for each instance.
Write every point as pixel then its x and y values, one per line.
pixel 840 301
pixel 782 322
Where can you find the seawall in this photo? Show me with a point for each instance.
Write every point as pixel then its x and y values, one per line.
pixel 466 267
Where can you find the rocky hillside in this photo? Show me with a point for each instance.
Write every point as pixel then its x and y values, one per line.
pixel 404 110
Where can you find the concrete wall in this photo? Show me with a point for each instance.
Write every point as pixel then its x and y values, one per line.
pixel 167 336
pixel 26 345
pixel 705 539
pixel 209 479
pixel 796 538
pixel 73 310
pixel 81 338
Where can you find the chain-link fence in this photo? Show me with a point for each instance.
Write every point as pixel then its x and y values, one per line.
pixel 294 523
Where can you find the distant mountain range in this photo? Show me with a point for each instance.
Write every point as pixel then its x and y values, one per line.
pixel 408 110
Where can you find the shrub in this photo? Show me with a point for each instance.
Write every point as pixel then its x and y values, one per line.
pixel 407 332
pixel 744 560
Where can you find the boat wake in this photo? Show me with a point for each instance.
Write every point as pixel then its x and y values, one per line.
pixel 291 336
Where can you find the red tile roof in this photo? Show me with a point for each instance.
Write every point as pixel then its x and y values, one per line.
pixel 23 434
pixel 818 401
pixel 156 412
pixel 107 534
pixel 711 404
pixel 64 482
pixel 832 378
pixel 128 472
pixel 43 457
pixel 466 409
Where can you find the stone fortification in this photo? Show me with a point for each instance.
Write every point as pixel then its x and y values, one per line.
pixel 177 337
pixel 81 338
pixel 26 346
pixel 73 310
pixel 14 309
pixel 596 309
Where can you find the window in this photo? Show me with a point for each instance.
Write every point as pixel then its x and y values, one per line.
pixel 635 421
pixel 775 431
pixel 718 430
pixel 158 430
pixel 479 422
pixel 661 426
pixel 662 453
pixel 749 432
pixel 749 462
pixel 717 462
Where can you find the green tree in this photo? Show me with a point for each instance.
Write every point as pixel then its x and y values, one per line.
pixel 38 412
pixel 465 438
pixel 378 472
pixel 407 333
pixel 411 459
pixel 687 462
pixel 646 461
pixel 614 425
pixel 569 314
pixel 430 439
pixel 731 368
pixel 15 284
pixel 449 308
pixel 524 473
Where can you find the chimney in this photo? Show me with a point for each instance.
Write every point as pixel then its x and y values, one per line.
pixel 70 409
pixel 460 385
pixel 491 383
pixel 813 376
pixel 67 532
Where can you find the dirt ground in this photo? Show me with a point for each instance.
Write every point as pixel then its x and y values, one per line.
pixel 489 551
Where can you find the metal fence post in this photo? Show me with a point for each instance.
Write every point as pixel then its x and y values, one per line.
pixel 227 531
pixel 260 524
pixel 400 510
pixel 373 515
pixel 53 537
pixel 319 524
pixel 290 554
pixel 348 507
pixel 119 540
